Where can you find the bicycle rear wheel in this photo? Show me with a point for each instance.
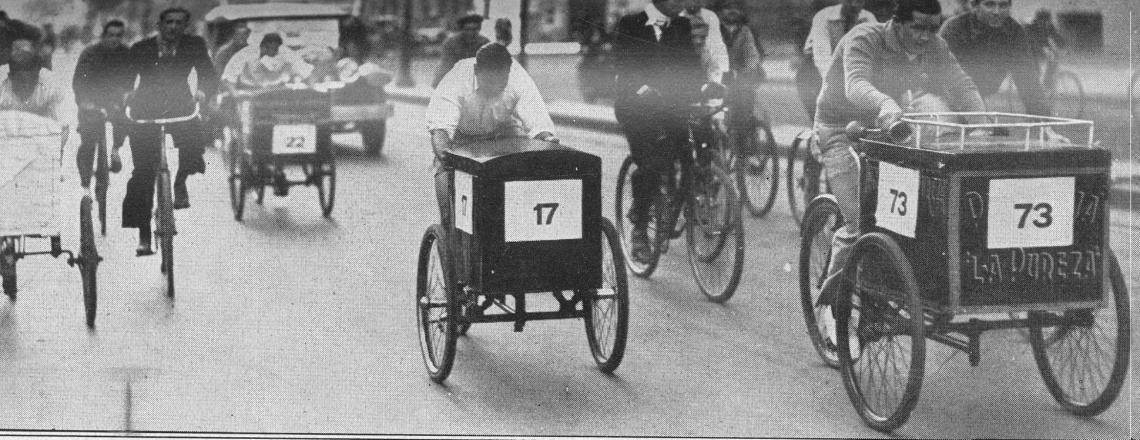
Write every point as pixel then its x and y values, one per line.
pixel 623 214
pixel 714 233
pixel 820 222
pixel 758 170
pixel 1068 95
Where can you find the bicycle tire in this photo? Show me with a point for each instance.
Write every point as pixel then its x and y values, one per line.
pixel 165 230
pixel 88 262
pixel 102 182
pixel 821 219
pixel 727 234
pixel 758 179
pixel 623 203
pixel 437 350
pixel 805 177
pixel 607 346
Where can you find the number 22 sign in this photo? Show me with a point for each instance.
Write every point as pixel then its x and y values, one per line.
pixel 294 139
pixel 1032 212
pixel 541 210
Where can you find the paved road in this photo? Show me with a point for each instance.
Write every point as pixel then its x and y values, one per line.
pixel 288 322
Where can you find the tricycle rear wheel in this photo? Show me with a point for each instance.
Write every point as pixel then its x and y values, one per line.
pixel 821 219
pixel 1072 358
pixel 607 309
pixel 437 307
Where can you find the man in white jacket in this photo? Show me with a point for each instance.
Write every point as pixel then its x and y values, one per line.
pixel 714 53
pixel 829 25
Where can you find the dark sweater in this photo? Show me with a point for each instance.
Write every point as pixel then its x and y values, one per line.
pixel 990 54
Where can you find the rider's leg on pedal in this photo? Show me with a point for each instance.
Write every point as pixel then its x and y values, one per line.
pixel 138 203
pixel 190 139
pixel 841 165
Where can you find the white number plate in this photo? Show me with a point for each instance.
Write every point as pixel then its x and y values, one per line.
pixel 1033 212
pixel 542 210
pixel 897 206
pixel 295 139
pixel 463 203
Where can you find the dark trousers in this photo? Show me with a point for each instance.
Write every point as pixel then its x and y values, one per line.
pixel 656 139
pixel 146 145
pixel 90 130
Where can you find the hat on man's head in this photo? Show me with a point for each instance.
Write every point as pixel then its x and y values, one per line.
pixel 493 56
pixel 470 18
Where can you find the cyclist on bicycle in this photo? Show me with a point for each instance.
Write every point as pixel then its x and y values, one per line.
pixel 162 65
pixel 100 81
pixel 486 97
pixel 659 72
pixel 873 68
pixel 990 45
pixel 1045 41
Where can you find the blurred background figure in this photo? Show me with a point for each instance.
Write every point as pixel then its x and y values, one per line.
pixel 745 59
pixel 1045 42
pixel 828 26
pixel 714 54
pixel 503 32
pixel 238 41
pixel 462 45
pixel 47 46
pixel 100 82
pixel 595 69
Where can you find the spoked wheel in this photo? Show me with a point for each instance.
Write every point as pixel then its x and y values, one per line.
pixel 437 307
pixel 239 180
pixel 607 309
pixel 623 212
pixel 326 184
pixel 758 171
pixel 804 174
pixel 821 220
pixel 1084 360
pixel 715 237
pixel 101 183
pixel 1067 95
pixel 880 327
pixel 165 231
pixel 88 261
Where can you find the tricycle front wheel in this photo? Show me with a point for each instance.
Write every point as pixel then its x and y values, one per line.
pixel 437 307
pixel 881 333
pixel 1074 357
pixel 607 309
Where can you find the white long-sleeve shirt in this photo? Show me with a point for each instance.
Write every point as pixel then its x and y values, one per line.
pixel 826 30
pixel 714 54
pixel 456 108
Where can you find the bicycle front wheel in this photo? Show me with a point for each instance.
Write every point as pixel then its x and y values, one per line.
pixel 606 310
pixel 165 231
pixel 758 170
pixel 819 226
pixel 714 233
pixel 623 213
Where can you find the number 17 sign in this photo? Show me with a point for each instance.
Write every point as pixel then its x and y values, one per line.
pixel 541 210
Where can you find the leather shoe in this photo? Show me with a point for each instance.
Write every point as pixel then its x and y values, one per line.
pixel 143 250
pixel 116 162
pixel 181 197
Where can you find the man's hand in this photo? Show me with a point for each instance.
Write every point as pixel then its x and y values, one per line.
pixel 547 136
pixel 889 113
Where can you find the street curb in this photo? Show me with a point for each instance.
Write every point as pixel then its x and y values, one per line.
pixel 1122 193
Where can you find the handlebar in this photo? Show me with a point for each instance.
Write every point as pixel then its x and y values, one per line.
pixel 898 132
pixel 164 121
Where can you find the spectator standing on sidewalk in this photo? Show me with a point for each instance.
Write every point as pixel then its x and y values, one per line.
pixel 990 45
pixel 461 45
pixel 99 83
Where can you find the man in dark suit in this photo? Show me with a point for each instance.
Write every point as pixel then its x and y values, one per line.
pixel 659 72
pixel 162 64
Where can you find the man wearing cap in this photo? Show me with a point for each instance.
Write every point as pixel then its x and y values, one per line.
pixel 461 45
pixel 486 97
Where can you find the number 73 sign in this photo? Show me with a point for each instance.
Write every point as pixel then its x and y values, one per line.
pixel 1032 212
